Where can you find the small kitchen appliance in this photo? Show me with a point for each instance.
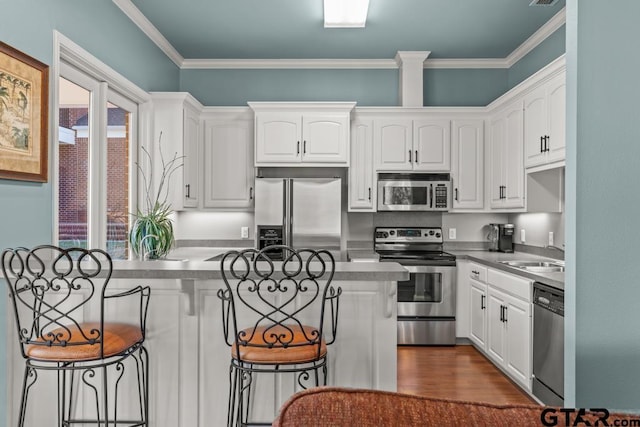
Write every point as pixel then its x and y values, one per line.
pixel 414 192
pixel 427 301
pixel 501 237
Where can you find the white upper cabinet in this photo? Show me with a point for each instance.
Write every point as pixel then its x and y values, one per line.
pixel 278 137
pixel 177 118
pixel 506 167
pixel 545 122
pixel 412 145
pixel 302 134
pixel 393 144
pixel 467 166
pixel 228 151
pixel 362 194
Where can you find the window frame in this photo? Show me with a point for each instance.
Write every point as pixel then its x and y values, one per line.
pixel 105 85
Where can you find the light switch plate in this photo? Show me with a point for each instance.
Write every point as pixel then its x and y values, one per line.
pixel 551 238
pixel 452 233
pixel 244 232
pixel 522 236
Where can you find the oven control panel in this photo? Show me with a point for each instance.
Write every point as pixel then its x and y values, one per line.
pixel 408 234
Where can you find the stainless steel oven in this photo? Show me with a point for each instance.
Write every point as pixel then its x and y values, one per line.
pixel 427 301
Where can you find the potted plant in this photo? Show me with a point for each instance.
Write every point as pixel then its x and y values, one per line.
pixel 152 230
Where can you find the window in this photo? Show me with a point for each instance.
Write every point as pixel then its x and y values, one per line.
pixel 95 166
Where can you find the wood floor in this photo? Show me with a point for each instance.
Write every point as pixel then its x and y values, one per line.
pixel 459 372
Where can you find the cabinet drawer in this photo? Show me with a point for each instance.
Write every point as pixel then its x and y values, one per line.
pixel 509 283
pixel 478 272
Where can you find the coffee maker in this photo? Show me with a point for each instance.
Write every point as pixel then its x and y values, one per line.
pixel 501 237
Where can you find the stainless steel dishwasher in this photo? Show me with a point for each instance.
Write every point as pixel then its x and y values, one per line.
pixel 548 344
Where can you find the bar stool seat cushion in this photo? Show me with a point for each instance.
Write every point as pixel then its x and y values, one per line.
pixel 118 337
pixel 299 350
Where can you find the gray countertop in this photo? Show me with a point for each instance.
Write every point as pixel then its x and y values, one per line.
pixel 493 260
pixel 190 264
pixel 490 259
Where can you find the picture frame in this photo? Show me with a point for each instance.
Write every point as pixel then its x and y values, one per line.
pixel 24 104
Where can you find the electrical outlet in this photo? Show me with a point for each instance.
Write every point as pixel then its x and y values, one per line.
pixel 452 233
pixel 551 238
pixel 522 236
pixel 244 232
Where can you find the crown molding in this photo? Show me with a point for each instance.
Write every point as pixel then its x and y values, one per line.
pixel 466 63
pixel 150 30
pixel 557 21
pixel 289 63
pixel 553 24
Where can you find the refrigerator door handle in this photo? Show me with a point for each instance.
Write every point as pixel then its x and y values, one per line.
pixel 287 223
pixel 285 212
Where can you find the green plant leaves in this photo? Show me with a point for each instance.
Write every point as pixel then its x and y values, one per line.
pixel 153 232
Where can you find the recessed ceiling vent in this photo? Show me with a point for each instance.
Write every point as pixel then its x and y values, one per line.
pixel 543 2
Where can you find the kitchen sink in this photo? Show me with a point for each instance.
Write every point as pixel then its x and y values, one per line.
pixel 537 266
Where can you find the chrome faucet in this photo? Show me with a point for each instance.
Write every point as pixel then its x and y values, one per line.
pixel 142 253
pixel 561 249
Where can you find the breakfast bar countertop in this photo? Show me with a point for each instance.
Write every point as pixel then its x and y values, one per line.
pixel 191 263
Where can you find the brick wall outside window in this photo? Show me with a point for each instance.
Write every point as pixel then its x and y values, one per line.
pixel 73 181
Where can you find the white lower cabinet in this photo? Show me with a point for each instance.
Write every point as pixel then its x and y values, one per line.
pixel 478 316
pixel 189 360
pixel 500 322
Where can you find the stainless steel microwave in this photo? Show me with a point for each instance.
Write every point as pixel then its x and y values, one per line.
pixel 414 192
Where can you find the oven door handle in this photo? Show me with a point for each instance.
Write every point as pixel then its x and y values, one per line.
pixel 429 268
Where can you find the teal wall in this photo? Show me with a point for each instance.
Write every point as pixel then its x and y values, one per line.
pixel 103 30
pixel 224 87
pixel 604 202
pixel 551 48
pixel 463 87
pixel 368 87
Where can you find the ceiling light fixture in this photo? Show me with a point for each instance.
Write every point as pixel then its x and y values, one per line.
pixel 345 13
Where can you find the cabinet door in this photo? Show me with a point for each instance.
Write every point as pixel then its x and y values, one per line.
pixel 556 96
pixel 325 138
pixel 228 164
pixel 478 332
pixel 496 152
pixel 393 144
pixel 518 340
pixel 535 125
pixel 513 194
pixel 361 181
pixel 278 138
pixel 432 145
pixel 496 347
pixel 467 168
pixel 192 158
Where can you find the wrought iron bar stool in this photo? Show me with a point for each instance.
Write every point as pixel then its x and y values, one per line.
pixel 278 317
pixel 51 290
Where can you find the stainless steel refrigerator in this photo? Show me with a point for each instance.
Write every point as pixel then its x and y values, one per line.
pixel 308 210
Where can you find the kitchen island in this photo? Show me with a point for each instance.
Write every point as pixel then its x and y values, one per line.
pixel 189 360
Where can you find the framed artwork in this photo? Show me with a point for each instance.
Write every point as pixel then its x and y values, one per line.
pixel 24 102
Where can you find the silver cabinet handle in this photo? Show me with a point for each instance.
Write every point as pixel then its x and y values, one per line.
pixel 482 306
pixel 298 150
pixel 188 186
pixel 456 198
pixel 304 147
pixel 369 193
pixel 409 156
pixel 250 193
pixel 416 160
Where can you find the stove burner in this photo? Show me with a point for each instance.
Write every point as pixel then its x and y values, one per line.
pixel 412 245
